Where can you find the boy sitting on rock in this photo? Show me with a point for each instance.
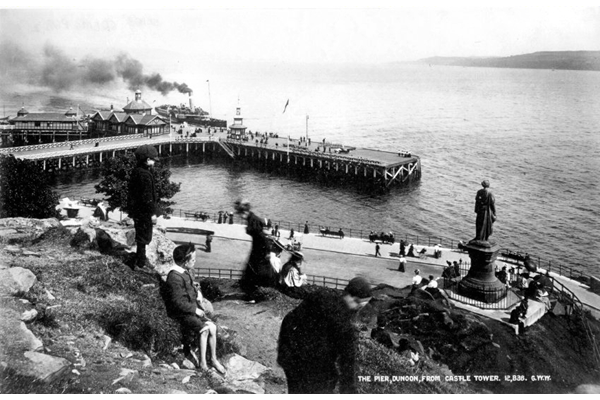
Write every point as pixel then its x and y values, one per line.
pixel 183 303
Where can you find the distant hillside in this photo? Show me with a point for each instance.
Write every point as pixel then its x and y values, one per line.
pixel 572 60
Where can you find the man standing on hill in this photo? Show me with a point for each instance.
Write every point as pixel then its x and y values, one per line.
pixel 142 202
pixel 319 333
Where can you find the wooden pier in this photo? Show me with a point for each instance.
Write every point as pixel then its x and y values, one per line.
pixel 380 168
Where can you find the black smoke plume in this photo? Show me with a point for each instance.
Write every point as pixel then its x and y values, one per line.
pixel 56 70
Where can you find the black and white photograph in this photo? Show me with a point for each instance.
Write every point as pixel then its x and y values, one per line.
pixel 300 198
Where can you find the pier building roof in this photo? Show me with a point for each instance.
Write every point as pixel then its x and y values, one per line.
pixel 118 116
pixel 139 119
pixel 107 115
pixel 137 105
pixel 45 117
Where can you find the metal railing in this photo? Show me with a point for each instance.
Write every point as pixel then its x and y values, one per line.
pixel 295 150
pixel 417 240
pixel 156 139
pixel 65 143
pixel 450 286
pixel 318 280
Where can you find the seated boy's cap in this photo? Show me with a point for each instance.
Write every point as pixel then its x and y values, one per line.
pixel 181 252
pixel 146 151
pixel 359 287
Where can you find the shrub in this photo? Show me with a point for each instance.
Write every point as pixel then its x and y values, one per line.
pixel 115 183
pixel 24 190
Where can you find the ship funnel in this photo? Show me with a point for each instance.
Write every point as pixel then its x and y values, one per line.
pixel 191 102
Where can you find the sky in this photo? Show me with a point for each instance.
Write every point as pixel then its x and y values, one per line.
pixel 318 33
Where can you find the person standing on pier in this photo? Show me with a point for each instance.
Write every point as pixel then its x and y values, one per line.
pixel 142 202
pixel 306 228
pixel 377 253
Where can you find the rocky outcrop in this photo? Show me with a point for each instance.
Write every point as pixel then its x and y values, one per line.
pixel 92 234
pixel 15 281
pixel 85 236
pixel 244 375
pixel 16 230
pixel 160 252
pixel 115 238
pixel 42 367
pixel 19 347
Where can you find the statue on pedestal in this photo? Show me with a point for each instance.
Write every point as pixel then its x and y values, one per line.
pixel 481 282
pixel 486 212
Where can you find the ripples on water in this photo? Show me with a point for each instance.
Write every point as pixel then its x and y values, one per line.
pixel 533 133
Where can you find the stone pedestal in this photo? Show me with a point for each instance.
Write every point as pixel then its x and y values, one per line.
pixel 481 283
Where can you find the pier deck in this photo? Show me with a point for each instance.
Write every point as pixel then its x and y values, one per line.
pixel 381 167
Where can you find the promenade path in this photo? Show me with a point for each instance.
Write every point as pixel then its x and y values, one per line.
pixel 337 258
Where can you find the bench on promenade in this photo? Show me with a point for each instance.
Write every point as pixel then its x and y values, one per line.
pixel 383 237
pixel 197 216
pixel 327 232
pixel 190 231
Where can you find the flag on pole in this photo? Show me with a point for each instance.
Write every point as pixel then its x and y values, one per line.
pixel 285 107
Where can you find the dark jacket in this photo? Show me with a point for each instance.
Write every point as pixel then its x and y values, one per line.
pixel 142 193
pixel 260 247
pixel 179 295
pixel 314 336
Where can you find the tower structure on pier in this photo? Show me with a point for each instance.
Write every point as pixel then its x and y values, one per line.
pixel 138 106
pixel 238 130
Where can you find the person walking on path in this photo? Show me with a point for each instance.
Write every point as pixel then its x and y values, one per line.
pixel 306 228
pixel 317 335
pixel 258 271
pixel 402 248
pixel 209 239
pixel 142 205
pixel 377 253
pixel 402 265
pixel 291 234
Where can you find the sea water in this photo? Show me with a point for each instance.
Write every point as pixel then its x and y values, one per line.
pixel 535 134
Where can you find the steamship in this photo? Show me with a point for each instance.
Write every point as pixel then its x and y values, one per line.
pixel 189 114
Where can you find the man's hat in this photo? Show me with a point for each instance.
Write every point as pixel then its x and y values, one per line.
pixel 146 151
pixel 242 205
pixel 359 287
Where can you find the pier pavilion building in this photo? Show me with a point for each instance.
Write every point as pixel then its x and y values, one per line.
pixel 43 127
pixel 136 118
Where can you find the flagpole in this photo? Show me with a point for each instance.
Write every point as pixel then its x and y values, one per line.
pixel 209 99
pixel 307 127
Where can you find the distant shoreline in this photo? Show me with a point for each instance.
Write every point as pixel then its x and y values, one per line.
pixel 553 60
